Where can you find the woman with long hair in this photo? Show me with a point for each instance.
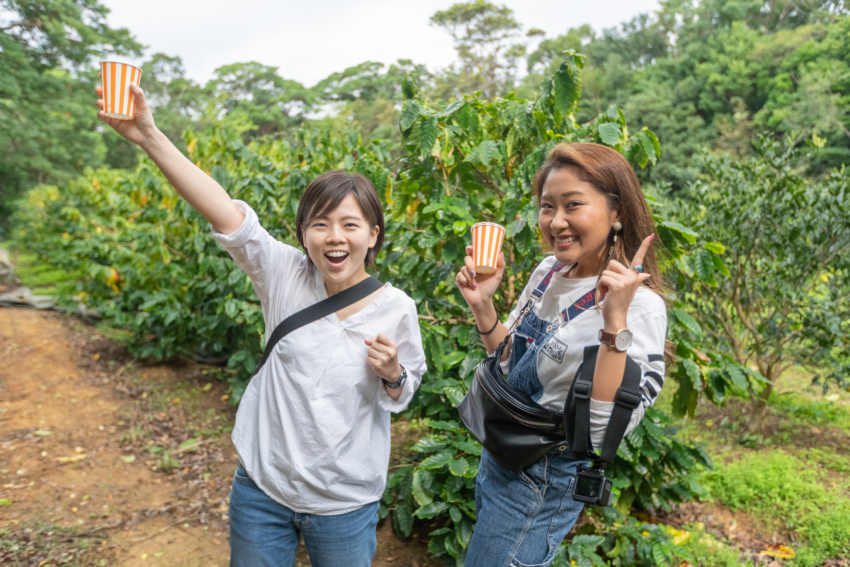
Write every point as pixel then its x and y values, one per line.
pixel 313 427
pixel 594 217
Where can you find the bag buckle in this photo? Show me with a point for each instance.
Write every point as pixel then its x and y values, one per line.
pixel 629 399
pixel 582 390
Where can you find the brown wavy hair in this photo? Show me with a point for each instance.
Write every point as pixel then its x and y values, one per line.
pixel 610 174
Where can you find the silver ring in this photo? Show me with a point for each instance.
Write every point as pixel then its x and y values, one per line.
pixel 637 268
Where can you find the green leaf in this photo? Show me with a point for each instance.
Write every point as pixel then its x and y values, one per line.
pixel 403 521
pixel 688 322
pixel 567 88
pixel 437 461
pixel 715 247
pixel 450 109
pixel 408 88
pixel 459 466
pixel 431 510
pixel 428 131
pixel 421 494
pixel 738 379
pixel 430 444
pixel 609 133
pixel 409 114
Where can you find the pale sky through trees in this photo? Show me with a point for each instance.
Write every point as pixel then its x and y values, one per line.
pixel 307 40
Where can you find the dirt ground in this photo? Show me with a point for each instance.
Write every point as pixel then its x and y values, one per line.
pixel 104 461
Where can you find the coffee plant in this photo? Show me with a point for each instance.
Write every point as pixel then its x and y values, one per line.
pixel 154 269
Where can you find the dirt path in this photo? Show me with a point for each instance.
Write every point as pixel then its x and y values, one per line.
pixel 103 462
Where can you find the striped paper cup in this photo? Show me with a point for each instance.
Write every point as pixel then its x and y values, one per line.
pixel 487 240
pixel 116 79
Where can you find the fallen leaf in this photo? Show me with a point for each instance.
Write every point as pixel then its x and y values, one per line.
pixel 779 551
pixel 95 356
pixel 175 401
pixel 144 555
pixel 225 397
pixel 216 542
pixel 74 510
pixel 72 459
pixel 5 502
pixel 128 458
pixel 79 449
pixel 42 433
pixel 208 386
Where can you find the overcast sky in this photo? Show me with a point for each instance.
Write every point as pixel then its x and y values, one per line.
pixel 308 40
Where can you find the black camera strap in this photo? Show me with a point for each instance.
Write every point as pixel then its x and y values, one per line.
pixel 577 412
pixel 318 311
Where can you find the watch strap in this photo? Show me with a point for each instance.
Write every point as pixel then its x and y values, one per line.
pixel 399 382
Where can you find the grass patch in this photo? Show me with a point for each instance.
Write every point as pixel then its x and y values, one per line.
pixel 40 277
pixel 709 552
pixel 787 494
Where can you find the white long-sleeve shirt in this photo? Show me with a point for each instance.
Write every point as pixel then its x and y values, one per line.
pixel 558 364
pixel 313 427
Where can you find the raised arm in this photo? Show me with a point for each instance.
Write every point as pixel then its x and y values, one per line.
pixel 199 189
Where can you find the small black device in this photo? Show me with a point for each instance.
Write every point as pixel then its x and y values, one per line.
pixel 592 487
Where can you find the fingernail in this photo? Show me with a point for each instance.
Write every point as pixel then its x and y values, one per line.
pixel 653 237
pixel 472 273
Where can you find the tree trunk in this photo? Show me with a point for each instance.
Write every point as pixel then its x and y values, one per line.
pixel 759 410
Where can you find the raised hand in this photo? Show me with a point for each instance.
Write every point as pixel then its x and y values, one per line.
pixel 141 128
pixel 382 356
pixel 477 289
pixel 619 284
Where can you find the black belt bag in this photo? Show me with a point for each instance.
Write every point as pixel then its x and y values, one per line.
pixel 515 430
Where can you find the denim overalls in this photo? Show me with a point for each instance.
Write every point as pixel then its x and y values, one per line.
pixel 523 517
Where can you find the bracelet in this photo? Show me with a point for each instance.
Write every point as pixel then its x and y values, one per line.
pixel 490 331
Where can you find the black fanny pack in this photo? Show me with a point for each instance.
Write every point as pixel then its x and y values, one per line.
pixel 517 431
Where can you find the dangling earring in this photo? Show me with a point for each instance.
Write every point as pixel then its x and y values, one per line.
pixel 618 226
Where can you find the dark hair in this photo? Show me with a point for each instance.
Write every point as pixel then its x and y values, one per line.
pixel 610 174
pixel 325 194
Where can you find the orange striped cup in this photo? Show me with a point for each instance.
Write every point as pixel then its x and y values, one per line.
pixel 487 240
pixel 116 79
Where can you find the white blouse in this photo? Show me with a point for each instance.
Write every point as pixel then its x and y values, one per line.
pixel 558 363
pixel 313 427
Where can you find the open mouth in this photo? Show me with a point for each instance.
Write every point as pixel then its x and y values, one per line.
pixel 336 258
pixel 565 241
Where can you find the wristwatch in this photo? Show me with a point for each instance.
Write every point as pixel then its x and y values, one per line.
pixel 621 340
pixel 399 381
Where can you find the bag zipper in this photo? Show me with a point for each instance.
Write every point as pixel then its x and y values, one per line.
pixel 511 413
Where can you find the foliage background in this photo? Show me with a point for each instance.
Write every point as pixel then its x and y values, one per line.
pixel 448 148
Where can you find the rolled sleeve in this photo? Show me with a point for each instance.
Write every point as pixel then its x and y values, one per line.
pixel 411 356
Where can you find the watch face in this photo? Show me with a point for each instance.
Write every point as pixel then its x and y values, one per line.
pixel 623 340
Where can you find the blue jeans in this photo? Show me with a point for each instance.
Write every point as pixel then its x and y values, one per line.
pixel 523 517
pixel 264 533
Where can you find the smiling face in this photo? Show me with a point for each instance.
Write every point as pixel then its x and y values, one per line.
pixel 576 220
pixel 337 243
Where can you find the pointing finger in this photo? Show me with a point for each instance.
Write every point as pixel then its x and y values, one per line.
pixel 641 253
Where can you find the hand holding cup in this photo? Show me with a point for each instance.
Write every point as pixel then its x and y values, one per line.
pixel 484 264
pixel 123 105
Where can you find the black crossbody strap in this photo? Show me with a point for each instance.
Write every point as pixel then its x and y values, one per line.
pixel 625 402
pixel 317 311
